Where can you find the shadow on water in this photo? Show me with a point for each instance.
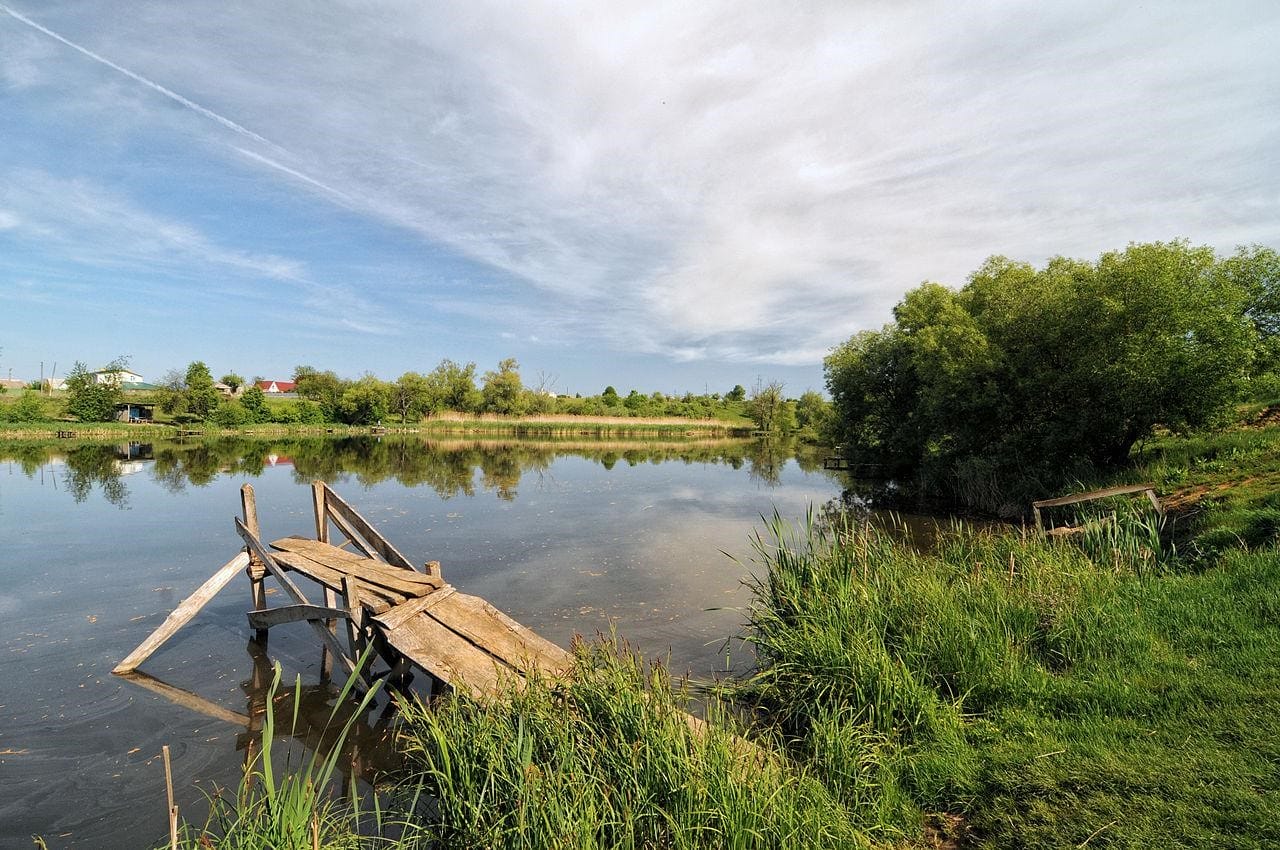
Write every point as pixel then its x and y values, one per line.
pixel 451 468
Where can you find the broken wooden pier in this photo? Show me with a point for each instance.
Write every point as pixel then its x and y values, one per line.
pixel 388 609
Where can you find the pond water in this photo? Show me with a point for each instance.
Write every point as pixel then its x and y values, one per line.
pixel 101 542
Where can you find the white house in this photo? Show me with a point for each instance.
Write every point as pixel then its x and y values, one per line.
pixel 115 376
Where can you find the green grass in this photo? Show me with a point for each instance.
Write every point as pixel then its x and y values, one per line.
pixel 1047 697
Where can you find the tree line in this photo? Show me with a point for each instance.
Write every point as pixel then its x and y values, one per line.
pixel 191 395
pixel 1025 380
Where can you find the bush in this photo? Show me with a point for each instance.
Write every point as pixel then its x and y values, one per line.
pixel 28 408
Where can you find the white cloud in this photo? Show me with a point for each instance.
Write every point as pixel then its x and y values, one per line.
pixel 746 183
pixel 8 220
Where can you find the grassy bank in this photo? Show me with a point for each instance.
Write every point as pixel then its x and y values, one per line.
pixel 494 426
pixel 1003 690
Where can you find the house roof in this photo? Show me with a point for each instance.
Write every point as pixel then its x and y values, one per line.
pixel 282 386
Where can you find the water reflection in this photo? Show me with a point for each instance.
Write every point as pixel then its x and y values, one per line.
pixel 451 468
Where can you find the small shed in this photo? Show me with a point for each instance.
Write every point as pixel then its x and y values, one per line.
pixel 132 411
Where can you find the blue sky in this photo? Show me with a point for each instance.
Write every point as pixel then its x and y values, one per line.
pixel 666 196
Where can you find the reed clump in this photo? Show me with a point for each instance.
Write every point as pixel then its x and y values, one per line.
pixel 609 758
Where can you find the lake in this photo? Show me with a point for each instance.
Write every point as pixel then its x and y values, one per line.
pixel 101 542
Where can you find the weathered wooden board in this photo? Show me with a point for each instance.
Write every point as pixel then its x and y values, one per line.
pixel 401 580
pixel 337 508
pixel 491 630
pixel 1093 494
pixel 448 656
pixel 269 617
pixel 373 593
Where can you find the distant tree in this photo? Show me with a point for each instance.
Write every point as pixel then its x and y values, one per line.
pixel 325 389
pixel 28 408
pixel 254 401
pixel 170 395
pixel 232 380
pixel 201 397
pixel 453 387
pixel 812 411
pixel 610 396
pixel 738 393
pixel 89 400
pixel 411 396
pixel 364 401
pixel 766 406
pixel 501 391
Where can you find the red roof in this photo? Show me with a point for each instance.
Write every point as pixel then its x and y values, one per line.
pixel 280 386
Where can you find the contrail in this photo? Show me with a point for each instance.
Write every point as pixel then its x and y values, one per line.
pixel 169 93
pixel 271 163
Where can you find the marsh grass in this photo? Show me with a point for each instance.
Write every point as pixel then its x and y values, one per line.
pixel 1051 693
pixel 609 759
pixel 294 807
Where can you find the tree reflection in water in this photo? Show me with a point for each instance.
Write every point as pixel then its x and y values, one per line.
pixel 449 467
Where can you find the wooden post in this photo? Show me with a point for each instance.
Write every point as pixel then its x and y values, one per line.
pixel 255 546
pixel 432 568
pixel 330 598
pixel 257 571
pixel 355 610
pixel 322 511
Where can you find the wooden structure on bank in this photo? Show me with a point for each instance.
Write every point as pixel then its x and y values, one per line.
pixel 409 618
pixel 1148 489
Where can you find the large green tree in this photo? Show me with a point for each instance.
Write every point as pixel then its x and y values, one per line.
pixel 201 396
pixel 503 390
pixel 453 387
pixel 1028 378
pixel 90 400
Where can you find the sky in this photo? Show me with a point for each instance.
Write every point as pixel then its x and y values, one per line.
pixel 663 196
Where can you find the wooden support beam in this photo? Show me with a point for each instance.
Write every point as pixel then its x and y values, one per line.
pixel 336 507
pixel 322 514
pixel 181 615
pixel 293 614
pixel 1093 494
pixel 255 546
pixel 355 616
pixel 257 571
pixel 1149 490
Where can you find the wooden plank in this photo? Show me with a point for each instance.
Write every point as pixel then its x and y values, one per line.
pixel 186 699
pixel 257 589
pixel 1093 494
pixel 376 572
pixel 397 615
pixel 376 597
pixel 181 615
pixel 447 656
pixel 516 646
pixel 337 507
pixel 293 614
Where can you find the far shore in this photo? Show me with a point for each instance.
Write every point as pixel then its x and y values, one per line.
pixel 447 423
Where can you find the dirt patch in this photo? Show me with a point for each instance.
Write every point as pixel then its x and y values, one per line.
pixel 946 832
pixel 1266 417
pixel 1188 497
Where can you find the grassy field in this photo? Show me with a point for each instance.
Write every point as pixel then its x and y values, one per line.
pixel 1003 690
